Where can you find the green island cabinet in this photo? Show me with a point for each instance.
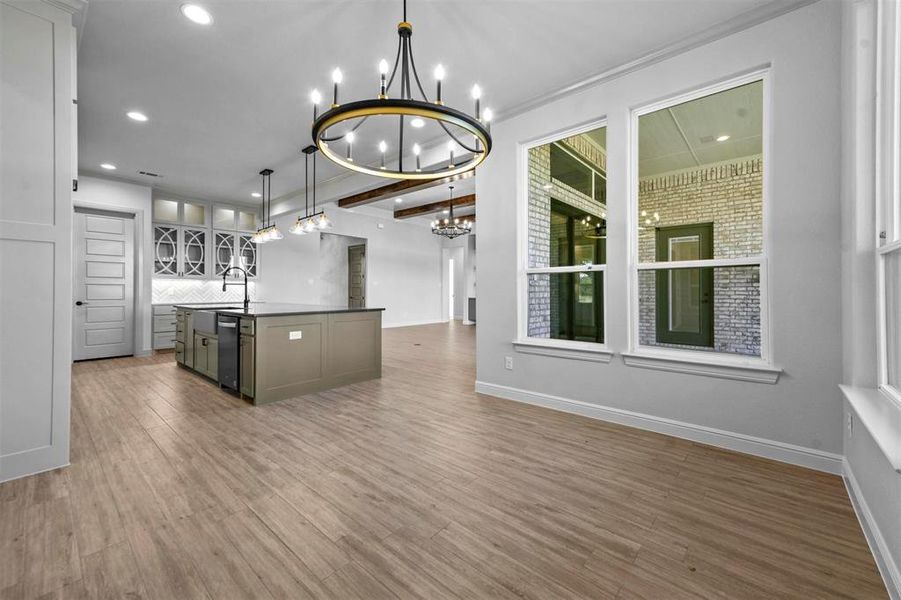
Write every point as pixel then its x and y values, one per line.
pixel 286 351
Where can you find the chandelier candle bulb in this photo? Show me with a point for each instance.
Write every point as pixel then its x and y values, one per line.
pixel 477 95
pixel 439 75
pixel 487 116
pixel 416 151
pixel 383 147
pixel 315 98
pixel 383 74
pixel 337 77
pixel 349 138
pixel 450 148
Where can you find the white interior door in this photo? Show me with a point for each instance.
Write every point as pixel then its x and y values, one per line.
pixel 104 285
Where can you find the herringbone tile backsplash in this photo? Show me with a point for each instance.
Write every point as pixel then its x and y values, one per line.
pixel 173 291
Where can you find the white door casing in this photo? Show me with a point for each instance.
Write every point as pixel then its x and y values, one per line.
pixel 103 290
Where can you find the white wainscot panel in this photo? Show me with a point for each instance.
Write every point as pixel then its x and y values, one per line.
pixel 26 345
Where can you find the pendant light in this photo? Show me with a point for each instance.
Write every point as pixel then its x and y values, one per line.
pixel 317 220
pixel 269 231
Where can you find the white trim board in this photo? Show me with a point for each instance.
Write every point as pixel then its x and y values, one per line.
pixel 891 574
pixel 739 442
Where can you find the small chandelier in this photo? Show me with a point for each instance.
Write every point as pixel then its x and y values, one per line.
pixel 318 220
pixel 467 135
pixel 597 229
pixel 269 231
pixel 451 227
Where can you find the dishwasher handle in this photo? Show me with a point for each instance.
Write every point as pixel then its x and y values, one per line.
pixel 227 325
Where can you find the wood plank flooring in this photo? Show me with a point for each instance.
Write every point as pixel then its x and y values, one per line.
pixel 412 486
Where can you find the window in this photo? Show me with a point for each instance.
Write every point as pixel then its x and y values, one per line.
pixel 567 238
pixel 888 192
pixel 698 231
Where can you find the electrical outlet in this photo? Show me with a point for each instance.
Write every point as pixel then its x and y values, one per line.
pixel 850 425
pixel 508 363
pixel 295 335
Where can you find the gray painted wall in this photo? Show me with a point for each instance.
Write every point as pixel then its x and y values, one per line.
pixel 403 266
pixel 804 408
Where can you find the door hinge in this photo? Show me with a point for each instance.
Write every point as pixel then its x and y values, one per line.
pixel 74 185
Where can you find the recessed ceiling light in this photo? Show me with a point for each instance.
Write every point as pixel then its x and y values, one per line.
pixel 445 211
pixel 136 116
pixel 108 166
pixel 197 14
pixel 417 123
pixel 398 200
pixel 722 138
pixel 256 194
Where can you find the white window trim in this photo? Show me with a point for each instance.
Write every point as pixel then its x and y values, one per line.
pixel 716 364
pixel 888 173
pixel 590 351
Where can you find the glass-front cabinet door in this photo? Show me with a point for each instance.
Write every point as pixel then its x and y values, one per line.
pixel 165 250
pixel 194 252
pixel 224 250
pixel 228 245
pixel 248 252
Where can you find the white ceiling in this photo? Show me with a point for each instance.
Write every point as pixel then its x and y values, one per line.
pixel 226 100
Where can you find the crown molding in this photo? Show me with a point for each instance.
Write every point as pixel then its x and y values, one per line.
pixel 70 6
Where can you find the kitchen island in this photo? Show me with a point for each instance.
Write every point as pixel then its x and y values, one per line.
pixel 280 350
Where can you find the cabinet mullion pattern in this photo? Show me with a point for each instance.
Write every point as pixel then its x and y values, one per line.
pixel 248 252
pixel 165 250
pixel 224 244
pixel 194 244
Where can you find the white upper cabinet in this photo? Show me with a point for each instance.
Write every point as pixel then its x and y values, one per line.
pixel 229 218
pixel 198 240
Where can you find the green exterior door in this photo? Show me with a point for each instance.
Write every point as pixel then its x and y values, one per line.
pixel 684 298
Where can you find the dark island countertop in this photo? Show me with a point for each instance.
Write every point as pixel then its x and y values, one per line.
pixel 269 309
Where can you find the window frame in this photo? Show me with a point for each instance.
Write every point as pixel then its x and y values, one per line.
pixel 888 174
pixel 593 351
pixel 638 351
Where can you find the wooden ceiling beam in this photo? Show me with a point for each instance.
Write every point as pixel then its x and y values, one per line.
pixel 392 190
pixel 433 207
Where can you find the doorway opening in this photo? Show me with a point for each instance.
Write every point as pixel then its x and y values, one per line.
pixel 342 270
pixel 103 317
pixel 450 289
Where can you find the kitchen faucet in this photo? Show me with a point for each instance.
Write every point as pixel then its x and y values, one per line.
pixel 225 284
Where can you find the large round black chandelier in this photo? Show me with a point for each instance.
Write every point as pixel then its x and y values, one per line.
pixel 451 227
pixel 336 131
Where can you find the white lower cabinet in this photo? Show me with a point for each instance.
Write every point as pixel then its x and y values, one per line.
pixel 164 326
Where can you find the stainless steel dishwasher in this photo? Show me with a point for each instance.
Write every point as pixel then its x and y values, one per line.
pixel 229 352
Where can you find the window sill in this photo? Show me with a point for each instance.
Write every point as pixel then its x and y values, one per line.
pixel 882 418
pixel 711 366
pixel 564 349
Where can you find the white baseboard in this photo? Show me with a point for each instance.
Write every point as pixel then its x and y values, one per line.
pixel 891 574
pixel 788 453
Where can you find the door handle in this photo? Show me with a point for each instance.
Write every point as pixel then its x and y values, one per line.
pixel 79 303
